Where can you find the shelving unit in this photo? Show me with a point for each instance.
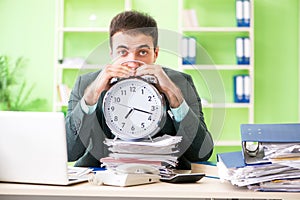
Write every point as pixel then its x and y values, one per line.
pixel 219 67
pixel 76 38
pixel 216 29
pixel 89 30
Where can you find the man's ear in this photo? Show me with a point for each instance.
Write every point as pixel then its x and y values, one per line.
pixel 156 53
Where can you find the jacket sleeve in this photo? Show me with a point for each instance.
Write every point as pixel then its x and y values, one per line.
pixel 80 127
pixel 197 144
pixel 76 139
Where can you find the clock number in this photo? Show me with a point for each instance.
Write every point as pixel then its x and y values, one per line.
pixel 123 124
pixel 123 92
pixel 150 118
pixel 116 118
pixel 142 91
pixel 112 108
pixel 149 98
pixel 117 99
pixel 153 108
pixel 132 89
pixel 132 128
pixel 142 125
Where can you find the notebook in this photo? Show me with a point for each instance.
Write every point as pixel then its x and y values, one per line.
pixel 33 148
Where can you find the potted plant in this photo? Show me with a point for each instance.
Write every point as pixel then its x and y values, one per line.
pixel 14 94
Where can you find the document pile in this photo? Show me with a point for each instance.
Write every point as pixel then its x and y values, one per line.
pixel 158 152
pixel 79 172
pixel 272 163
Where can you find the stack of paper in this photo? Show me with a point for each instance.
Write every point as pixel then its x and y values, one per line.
pixel 290 185
pixel 79 172
pixel 158 152
pixel 269 160
pixel 257 174
pixel 281 173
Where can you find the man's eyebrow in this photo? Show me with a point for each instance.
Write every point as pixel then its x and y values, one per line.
pixel 122 47
pixel 144 46
pixel 139 47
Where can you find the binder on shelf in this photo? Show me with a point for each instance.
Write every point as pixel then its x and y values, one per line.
pixel 192 50
pixel 253 135
pixel 246 13
pixel 246 45
pixel 239 13
pixel 190 18
pixel 242 89
pixel 239 50
pixel 238 88
pixel 184 50
pixel 246 88
pixel 189 50
pixel 243 13
pixel 243 50
pixel 64 93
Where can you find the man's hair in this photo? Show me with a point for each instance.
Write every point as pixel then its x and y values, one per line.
pixel 134 22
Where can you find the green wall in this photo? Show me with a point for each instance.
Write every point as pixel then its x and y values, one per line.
pixel 27 29
pixel 276 61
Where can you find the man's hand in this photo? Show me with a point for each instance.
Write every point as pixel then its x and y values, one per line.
pixel 102 82
pixel 165 84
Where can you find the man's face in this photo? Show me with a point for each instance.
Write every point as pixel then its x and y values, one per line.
pixel 131 47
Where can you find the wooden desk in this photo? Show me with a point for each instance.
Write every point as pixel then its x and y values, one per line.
pixel 207 188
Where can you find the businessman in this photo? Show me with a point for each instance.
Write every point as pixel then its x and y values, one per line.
pixel 134 50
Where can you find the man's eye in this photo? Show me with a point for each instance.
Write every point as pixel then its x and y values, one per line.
pixel 122 53
pixel 143 53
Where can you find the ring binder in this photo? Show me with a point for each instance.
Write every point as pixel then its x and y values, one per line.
pixel 265 133
pixel 251 149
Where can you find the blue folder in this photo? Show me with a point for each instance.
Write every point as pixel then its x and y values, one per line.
pixel 270 132
pixel 241 86
pixel 246 13
pixel 243 11
pixel 189 46
pixel 232 159
pixel 266 133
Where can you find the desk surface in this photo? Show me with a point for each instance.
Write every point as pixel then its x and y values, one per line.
pixel 205 188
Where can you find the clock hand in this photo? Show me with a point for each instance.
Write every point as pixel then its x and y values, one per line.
pixel 132 108
pixel 130 111
pixel 124 105
pixel 142 111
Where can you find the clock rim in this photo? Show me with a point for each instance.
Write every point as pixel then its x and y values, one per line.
pixel 159 124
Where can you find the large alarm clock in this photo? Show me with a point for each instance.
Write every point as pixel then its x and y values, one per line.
pixel 134 109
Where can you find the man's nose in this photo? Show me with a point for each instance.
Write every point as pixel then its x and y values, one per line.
pixel 133 64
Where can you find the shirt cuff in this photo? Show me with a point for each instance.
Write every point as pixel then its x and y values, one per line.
pixel 86 108
pixel 180 112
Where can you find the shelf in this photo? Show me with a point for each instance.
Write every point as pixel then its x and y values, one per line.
pixel 84 29
pixel 226 105
pixel 216 29
pixel 216 67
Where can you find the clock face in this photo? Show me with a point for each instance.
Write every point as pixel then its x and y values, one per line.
pixel 133 109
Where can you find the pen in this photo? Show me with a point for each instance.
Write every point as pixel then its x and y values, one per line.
pixel 97 169
pixel 214 177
